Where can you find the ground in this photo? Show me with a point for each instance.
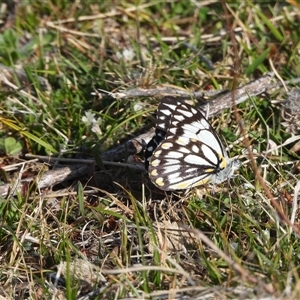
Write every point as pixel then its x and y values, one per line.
pixel 79 215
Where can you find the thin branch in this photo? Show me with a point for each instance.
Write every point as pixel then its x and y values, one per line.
pixel 213 107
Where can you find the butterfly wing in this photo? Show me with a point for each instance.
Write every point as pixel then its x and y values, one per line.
pixel 164 113
pixel 190 154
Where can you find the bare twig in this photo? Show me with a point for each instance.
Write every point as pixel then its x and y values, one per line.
pixel 49 178
pixel 131 147
pixel 212 107
pixel 158 91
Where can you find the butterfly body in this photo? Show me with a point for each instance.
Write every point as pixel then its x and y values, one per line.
pixel 185 152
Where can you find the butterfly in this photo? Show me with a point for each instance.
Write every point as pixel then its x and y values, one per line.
pixel 185 151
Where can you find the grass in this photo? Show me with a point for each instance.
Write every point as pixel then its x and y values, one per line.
pixel 115 234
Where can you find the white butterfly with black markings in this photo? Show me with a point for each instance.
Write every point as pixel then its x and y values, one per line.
pixel 185 151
